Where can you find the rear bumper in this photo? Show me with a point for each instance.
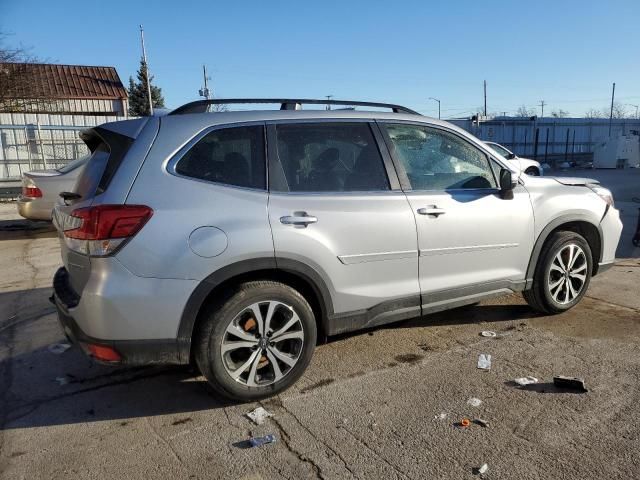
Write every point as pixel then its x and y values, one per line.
pixel 132 352
pixel 34 208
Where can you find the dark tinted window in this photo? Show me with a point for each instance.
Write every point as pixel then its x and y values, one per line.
pixel 439 160
pixel 87 182
pixel 233 156
pixel 328 157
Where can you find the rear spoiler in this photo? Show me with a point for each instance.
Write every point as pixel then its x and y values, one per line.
pixel 130 129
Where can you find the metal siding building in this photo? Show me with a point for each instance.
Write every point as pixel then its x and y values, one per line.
pixel 66 89
pixel 557 137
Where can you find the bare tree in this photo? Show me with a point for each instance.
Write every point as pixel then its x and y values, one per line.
pixel 619 111
pixel 15 79
pixel 523 111
pixel 559 113
pixel 594 113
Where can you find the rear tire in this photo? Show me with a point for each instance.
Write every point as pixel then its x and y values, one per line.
pixel 256 341
pixel 562 274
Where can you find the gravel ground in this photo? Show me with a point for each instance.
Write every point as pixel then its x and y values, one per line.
pixel 377 404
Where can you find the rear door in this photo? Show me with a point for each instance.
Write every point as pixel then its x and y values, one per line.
pixel 472 239
pixel 335 204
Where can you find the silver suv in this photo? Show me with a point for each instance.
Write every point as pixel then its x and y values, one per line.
pixel 238 240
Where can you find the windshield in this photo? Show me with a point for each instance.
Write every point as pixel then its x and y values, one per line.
pixel 73 165
pixel 500 149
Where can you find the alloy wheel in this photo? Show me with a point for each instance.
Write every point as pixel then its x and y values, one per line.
pixel 567 274
pixel 263 343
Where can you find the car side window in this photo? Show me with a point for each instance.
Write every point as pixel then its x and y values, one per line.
pixel 232 156
pixel 438 160
pixel 328 157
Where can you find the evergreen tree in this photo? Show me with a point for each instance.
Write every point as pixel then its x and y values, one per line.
pixel 138 96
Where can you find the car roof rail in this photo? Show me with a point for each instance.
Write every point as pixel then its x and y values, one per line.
pixel 202 106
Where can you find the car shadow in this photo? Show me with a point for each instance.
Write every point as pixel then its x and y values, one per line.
pixel 22 228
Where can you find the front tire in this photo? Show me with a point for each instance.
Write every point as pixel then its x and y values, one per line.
pixel 256 341
pixel 532 171
pixel 562 274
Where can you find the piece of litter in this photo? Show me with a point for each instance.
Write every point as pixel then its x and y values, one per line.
pixel 441 416
pixel 481 422
pixel 526 380
pixel 465 422
pixel 259 415
pixel 474 402
pixel 62 380
pixel 59 348
pixel 481 470
pixel 484 361
pixel 259 441
pixel 488 333
pixel 572 383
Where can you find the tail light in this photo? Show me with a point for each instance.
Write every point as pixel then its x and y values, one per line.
pixel 31 192
pixel 99 231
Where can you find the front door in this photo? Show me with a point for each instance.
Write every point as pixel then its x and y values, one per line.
pixel 336 206
pixel 472 239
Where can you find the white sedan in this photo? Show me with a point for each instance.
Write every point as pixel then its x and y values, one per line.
pixel 526 165
pixel 41 189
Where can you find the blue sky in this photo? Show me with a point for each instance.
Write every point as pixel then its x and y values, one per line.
pixel 565 52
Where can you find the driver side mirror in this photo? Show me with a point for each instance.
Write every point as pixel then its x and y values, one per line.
pixel 511 156
pixel 507 182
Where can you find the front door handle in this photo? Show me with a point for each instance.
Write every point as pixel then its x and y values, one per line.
pixel 299 219
pixel 432 210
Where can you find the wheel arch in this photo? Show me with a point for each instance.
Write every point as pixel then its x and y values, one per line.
pixel 582 224
pixel 293 273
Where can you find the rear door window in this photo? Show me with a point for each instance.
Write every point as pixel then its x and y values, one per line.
pixel 328 157
pixel 87 183
pixel 231 156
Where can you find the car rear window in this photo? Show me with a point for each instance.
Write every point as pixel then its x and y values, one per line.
pixel 88 181
pixel 231 156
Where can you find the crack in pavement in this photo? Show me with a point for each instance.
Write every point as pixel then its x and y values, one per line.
pixel 335 452
pixel 286 439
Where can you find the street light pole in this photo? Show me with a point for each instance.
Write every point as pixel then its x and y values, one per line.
pixel 436 100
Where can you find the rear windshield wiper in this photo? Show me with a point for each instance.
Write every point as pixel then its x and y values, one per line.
pixel 70 196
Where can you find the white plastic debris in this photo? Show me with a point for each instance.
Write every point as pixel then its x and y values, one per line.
pixel 259 415
pixel 441 416
pixel 484 361
pixel 483 469
pixel 526 380
pixel 474 402
pixel 488 333
pixel 59 348
pixel 62 380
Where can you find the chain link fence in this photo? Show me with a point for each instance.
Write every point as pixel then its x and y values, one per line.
pixel 37 147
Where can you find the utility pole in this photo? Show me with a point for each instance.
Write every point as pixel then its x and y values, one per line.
pixel 144 58
pixel 435 99
pixel 329 97
pixel 632 105
pixel 485 98
pixel 542 104
pixel 613 95
pixel 204 92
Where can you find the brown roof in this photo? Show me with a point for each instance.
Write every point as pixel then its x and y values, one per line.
pixel 48 80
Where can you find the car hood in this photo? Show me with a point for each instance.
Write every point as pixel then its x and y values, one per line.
pixel 575 180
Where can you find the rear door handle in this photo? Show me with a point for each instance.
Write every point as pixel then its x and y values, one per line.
pixel 433 210
pixel 298 218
